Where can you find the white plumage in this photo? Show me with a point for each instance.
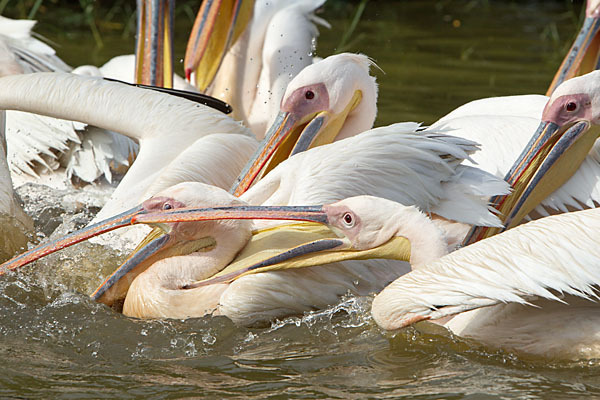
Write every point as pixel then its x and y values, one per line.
pixel 503 126
pixel 394 162
pixel 277 44
pixel 44 149
pixel 411 167
pixel 15 225
pixel 541 279
pixel 173 133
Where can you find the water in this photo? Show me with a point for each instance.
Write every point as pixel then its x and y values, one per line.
pixel 57 343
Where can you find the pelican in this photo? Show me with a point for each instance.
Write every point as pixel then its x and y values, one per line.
pixel 489 121
pixel 262 45
pixel 531 289
pixel 426 173
pixel 569 126
pixel 322 115
pixel 209 278
pixel 332 99
pixel 58 152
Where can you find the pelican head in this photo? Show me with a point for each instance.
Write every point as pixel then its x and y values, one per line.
pixel 569 128
pixel 329 100
pixel 584 54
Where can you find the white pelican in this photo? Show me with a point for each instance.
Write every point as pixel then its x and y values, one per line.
pixel 52 151
pixel 332 110
pixel 253 52
pixel 426 172
pixel 329 100
pixel 533 289
pixel 502 125
pixel 569 126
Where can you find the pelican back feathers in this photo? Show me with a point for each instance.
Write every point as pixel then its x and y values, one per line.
pixel 547 258
pixel 395 162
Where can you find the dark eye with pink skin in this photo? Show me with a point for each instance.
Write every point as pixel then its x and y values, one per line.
pixel 307 100
pixel 161 203
pixel 571 106
pixel 348 219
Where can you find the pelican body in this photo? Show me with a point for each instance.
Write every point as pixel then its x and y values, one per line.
pixel 532 289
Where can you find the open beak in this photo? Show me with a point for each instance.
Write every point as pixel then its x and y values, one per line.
pixel 550 158
pixel 291 134
pixel 218 25
pixel 154 41
pixel 119 221
pixel 307 242
pixel 583 56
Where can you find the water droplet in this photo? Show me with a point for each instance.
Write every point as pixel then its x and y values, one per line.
pixel 208 338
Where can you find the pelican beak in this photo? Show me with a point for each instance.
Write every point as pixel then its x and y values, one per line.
pixel 154 41
pixel 583 56
pixel 550 158
pixel 119 221
pixel 291 134
pixel 218 25
pixel 307 242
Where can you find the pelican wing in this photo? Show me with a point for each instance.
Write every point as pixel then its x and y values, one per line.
pixel 395 162
pixel 18 44
pixel 34 142
pixel 546 258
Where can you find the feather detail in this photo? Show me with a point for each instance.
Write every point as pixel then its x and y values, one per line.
pixel 395 162
pixel 546 258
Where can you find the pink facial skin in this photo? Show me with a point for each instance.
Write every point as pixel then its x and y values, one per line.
pixel 343 218
pixel 307 100
pixel 161 203
pixel 568 108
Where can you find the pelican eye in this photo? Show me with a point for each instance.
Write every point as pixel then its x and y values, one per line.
pixel 309 95
pixel 348 220
pixel 167 206
pixel 571 106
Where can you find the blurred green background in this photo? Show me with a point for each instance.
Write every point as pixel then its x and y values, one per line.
pixel 434 55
